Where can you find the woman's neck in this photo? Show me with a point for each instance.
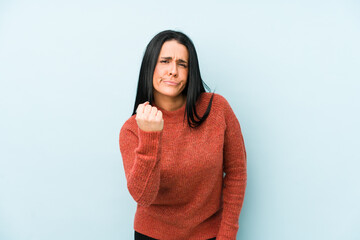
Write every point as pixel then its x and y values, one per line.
pixel 170 103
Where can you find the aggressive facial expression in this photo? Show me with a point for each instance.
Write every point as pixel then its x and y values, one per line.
pixel 171 70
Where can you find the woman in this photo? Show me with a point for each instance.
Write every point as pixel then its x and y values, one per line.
pixel 174 167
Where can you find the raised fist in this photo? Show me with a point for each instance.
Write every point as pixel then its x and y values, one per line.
pixel 149 118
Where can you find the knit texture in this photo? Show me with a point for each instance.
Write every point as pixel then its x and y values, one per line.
pixel 176 175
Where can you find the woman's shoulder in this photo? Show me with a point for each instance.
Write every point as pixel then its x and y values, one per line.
pixel 218 100
pixel 130 125
pixel 220 107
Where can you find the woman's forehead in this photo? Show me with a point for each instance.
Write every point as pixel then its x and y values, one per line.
pixel 174 49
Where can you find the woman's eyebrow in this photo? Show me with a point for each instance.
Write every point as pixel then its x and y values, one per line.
pixel 170 58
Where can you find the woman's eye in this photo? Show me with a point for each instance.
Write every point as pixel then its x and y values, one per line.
pixel 183 65
pixel 164 61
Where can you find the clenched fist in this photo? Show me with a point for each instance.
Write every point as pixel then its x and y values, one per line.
pixel 149 118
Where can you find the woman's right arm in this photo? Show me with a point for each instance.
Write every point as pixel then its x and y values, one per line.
pixel 140 152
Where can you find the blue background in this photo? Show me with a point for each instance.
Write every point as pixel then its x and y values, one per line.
pixel 68 72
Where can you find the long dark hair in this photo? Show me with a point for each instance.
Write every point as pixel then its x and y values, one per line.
pixel 194 86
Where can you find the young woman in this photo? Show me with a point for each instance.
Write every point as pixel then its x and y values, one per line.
pixel 177 146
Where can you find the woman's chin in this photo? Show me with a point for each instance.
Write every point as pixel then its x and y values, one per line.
pixel 169 93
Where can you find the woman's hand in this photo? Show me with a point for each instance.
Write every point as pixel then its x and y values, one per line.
pixel 149 118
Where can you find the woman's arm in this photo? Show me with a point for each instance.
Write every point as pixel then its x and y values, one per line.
pixel 234 182
pixel 141 159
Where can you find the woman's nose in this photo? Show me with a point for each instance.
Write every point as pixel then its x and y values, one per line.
pixel 173 70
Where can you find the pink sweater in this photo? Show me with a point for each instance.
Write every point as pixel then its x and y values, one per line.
pixel 176 175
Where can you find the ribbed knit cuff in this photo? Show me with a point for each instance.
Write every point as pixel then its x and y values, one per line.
pixel 149 142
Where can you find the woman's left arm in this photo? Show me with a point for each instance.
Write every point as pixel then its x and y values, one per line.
pixel 234 183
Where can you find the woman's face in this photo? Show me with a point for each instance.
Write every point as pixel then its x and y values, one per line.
pixel 171 70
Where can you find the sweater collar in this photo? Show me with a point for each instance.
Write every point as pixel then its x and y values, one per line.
pixel 175 116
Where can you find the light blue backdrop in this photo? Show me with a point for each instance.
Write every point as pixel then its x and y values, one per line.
pixel 68 72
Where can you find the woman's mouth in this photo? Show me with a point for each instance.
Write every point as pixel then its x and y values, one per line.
pixel 171 83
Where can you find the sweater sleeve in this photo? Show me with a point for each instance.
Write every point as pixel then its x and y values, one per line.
pixel 234 182
pixel 141 159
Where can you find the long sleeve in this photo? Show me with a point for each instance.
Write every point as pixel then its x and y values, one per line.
pixel 234 183
pixel 141 159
